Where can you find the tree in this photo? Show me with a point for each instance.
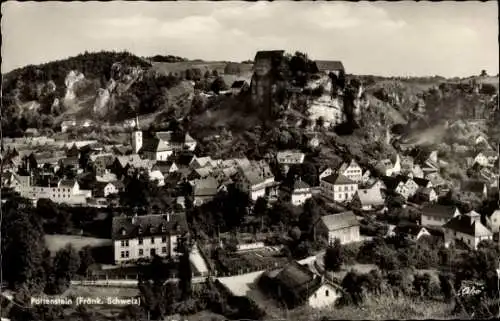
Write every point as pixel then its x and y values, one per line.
pixel 352 284
pixel 22 247
pixel 66 264
pixel 483 73
pixel 334 257
pixel 215 73
pixel 446 285
pixel 422 284
pixel 260 207
pixel 185 270
pixel 86 260
pixel 295 233
pixel 218 85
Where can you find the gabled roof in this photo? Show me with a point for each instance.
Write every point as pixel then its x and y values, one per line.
pixel 438 210
pixel 124 227
pixel 329 65
pixel 489 153
pixel 132 159
pixel 468 225
pixel 391 182
pixel 346 165
pixel 337 179
pixel 155 145
pixel 339 221
pixel 256 173
pixel 164 166
pixel 202 161
pixel 425 190
pixel 67 183
pixel 206 187
pixel 300 184
pixel 371 196
pixel 409 229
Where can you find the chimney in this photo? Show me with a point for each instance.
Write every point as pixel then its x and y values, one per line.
pixel 167 217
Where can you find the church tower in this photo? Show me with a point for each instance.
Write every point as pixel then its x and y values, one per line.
pixel 136 137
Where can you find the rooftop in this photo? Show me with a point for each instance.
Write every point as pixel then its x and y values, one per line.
pixel 438 210
pixel 470 225
pixel 124 227
pixel 340 220
pixel 337 179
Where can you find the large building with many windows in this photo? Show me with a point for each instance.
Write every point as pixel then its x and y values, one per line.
pixel 142 237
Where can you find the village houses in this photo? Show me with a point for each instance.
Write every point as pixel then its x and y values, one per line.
pixel 437 214
pixel 466 229
pixel 343 226
pixel 338 188
pixel 300 193
pixel 296 285
pixel 142 237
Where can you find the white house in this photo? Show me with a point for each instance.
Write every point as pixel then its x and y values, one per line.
pixel 413 233
pixel 389 167
pixel 156 149
pixel 494 221
pixel 142 237
pixel 67 191
pixel 343 226
pixel 255 179
pixel 301 192
pixel 486 158
pixel 437 214
pixel 338 188
pixel 467 229
pixel 368 199
pixel 325 172
pixel 294 285
pixel 352 171
pixel 157 177
pixel 290 157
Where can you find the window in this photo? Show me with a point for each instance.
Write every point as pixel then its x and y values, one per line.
pixel 126 254
pixel 152 252
pixel 164 239
pixel 125 243
pixel 346 195
pixel 141 252
pixel 152 240
pixel 140 241
pixel 327 293
pixel 468 241
pixel 164 250
pixel 122 254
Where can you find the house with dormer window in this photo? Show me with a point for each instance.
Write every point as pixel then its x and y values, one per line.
pixel 143 237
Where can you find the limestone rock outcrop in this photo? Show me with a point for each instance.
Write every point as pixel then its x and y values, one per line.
pixel 70 82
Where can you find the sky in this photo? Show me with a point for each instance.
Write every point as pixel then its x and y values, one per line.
pixel 381 38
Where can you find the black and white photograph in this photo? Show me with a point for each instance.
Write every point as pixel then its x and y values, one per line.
pixel 249 160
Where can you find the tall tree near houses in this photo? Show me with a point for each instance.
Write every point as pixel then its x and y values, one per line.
pixel 22 247
pixel 334 257
pixel 185 269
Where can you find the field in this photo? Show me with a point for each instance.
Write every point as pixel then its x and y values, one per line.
pixel 56 242
pixel 380 308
